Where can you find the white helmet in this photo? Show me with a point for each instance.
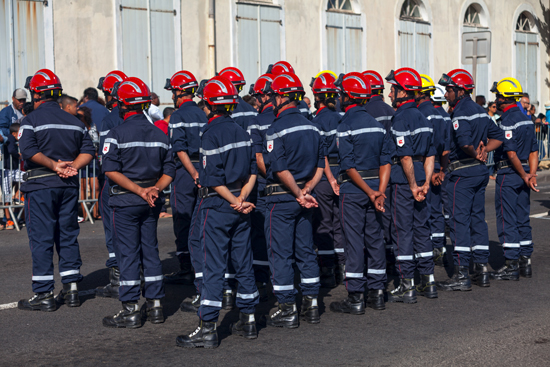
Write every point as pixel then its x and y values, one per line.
pixel 439 94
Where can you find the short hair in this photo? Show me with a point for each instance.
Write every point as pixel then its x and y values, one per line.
pixel 154 95
pixel 66 100
pixel 28 107
pixel 541 116
pixel 490 104
pixel 526 95
pixel 168 111
pixel 479 97
pixel 87 113
pixel 91 93
pixel 14 127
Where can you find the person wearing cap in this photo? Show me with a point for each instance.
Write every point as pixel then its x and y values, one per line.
pixel 516 162
pixel 12 112
pixel 473 135
pixel 54 145
pixel 413 162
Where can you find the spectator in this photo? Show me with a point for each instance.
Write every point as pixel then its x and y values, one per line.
pixel 28 107
pixel 480 100
pixel 89 184
pixel 308 102
pixel 12 173
pixel 163 123
pixel 524 104
pixel 90 100
pixel 12 113
pixel 492 111
pixel 541 131
pixel 533 112
pixel 154 111
pixel 68 104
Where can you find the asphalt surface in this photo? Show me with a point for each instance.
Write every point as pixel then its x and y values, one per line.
pixel 504 325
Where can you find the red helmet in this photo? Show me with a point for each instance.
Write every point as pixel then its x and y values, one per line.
pixel 375 79
pixel 324 83
pixel 132 91
pixel 280 67
pixel 355 85
pixel 106 83
pixel 43 80
pixel 405 78
pixel 234 75
pixel 220 91
pixel 260 86
pixel 182 80
pixel 458 78
pixel 287 83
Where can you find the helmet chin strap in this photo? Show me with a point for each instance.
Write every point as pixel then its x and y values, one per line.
pixel 277 108
pixel 457 97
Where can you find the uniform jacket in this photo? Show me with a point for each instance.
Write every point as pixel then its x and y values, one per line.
pixel 8 116
pixel 243 113
pixel 99 112
pixel 327 121
pixel 381 111
pixel 185 125
pixel 110 121
pixel 441 139
pixel 257 129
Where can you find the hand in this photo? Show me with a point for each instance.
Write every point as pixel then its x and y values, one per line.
pixel 307 201
pixel 425 188
pixel 335 187
pixel 144 193
pixel 306 190
pixel 441 177
pixel 379 204
pixel 435 179
pixel 238 206
pixel 64 169
pixel 247 207
pixel 374 195
pixel 531 181
pixel 196 179
pixel 481 152
pixel 418 193
pixel 152 196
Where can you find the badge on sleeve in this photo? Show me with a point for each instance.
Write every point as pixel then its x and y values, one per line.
pixel 204 161
pixel 269 145
pixel 20 134
pixel 171 133
pixel 508 134
pixel 400 141
pixel 106 147
pixel 455 125
pixel 337 143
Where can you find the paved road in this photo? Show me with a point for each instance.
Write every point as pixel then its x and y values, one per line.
pixel 504 325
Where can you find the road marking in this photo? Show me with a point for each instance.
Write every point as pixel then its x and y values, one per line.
pixel 8 306
pixel 540 215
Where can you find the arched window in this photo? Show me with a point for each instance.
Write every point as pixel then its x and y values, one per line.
pixel 414 36
pixel 344 37
pixel 476 19
pixel 526 46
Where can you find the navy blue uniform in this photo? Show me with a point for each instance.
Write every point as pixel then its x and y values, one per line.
pixel 99 112
pixel 227 159
pixel 257 128
pixel 141 152
pixel 293 144
pixel 51 203
pixel 441 142
pixel 383 113
pixel 466 186
pixel 444 197
pixel 512 195
pixel 243 113
pixel 412 136
pixel 185 125
pixel 364 145
pixel 327 231
pixel 304 110
pixel 111 121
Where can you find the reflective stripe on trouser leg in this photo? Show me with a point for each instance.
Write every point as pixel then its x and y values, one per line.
pixel 195 250
pixel 445 202
pixel 323 224
pixel 305 254
pixel 68 248
pixel 479 229
pixel 182 201
pixel 436 220
pixel 402 207
pixel 422 245
pixel 107 220
pixel 152 267
pixel 386 219
pixel 524 226
pixel 279 231
pixel 460 193
pixel 257 237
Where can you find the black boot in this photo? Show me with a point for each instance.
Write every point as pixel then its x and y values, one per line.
pixel 228 300
pixel 375 299
pixel 286 316
pixel 192 305
pixel 525 267
pixel 310 310
pixel 39 302
pixel 328 278
pixel 185 275
pixel 427 286
pixel 340 274
pixel 440 256
pixel 152 311
pixel 246 326
pixel 262 290
pixel 69 295
pixel 481 275
pixel 510 271
pixel 205 336
pixel 353 304
pixel 405 293
pixel 460 281
pixel 128 317
pixel 111 289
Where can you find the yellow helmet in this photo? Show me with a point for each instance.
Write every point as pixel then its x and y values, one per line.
pixel 508 88
pixel 428 85
pixel 327 71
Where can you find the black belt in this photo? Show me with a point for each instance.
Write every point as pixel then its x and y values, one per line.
pixel 33 174
pixel 117 190
pixel 195 158
pixel 464 163
pixel 206 192
pixel 365 175
pixel 333 161
pixel 277 189
pixel 415 158
pixel 503 164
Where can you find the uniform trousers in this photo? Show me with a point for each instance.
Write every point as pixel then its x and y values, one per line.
pixel 259 246
pixel 182 201
pixel 195 249
pixel 106 215
pixel 437 220
pixel 326 226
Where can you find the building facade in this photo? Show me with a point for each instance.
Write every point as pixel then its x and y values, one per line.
pixel 151 39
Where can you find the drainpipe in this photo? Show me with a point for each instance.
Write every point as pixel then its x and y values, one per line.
pixel 212 67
